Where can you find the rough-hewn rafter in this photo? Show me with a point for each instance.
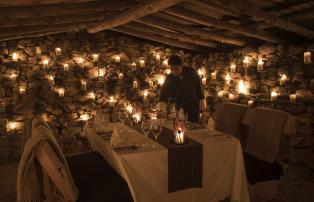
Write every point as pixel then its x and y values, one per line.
pixel 42 28
pixel 59 9
pixel 191 30
pixel 208 21
pixel 159 39
pixel 55 20
pixel 179 36
pixel 8 3
pixel 246 7
pixel 143 8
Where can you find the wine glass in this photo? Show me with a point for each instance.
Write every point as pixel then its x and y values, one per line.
pixel 122 116
pixel 146 127
pixel 156 128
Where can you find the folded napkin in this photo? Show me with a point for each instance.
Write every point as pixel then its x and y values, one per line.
pixel 211 124
pixel 118 139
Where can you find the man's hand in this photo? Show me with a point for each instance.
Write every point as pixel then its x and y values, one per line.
pixel 202 105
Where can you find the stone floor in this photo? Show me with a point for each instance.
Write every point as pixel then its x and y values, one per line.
pixel 291 189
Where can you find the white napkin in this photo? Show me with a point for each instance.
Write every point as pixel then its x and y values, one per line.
pixel 211 124
pixel 118 139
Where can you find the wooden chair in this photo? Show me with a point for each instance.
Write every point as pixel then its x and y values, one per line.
pixel 266 188
pixel 93 176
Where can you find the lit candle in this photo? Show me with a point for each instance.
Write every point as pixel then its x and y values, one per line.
pixel 133 66
pixel 142 63
pixel 273 96
pixel 307 57
pixel 51 79
pixel 135 84
pixel 137 117
pixel 120 76
pixel 83 85
pixel 213 75
pixel 84 117
pixel 227 79
pixel 15 57
pixel 201 72
pixel 129 108
pixel 95 57
pixel 80 61
pixel 204 81
pixel 231 96
pixel 66 67
pixel 12 125
pixel 250 103
pixel 145 95
pixel 117 59
pixel 58 51
pixel 101 72
pixel 221 93
pixel 111 101
pixel 167 71
pixel 283 79
pixel 165 62
pixel 91 95
pixel 157 57
pixel 179 139
pixel 233 68
pixel 161 79
pixel 246 62
pixel 22 90
pixel 13 76
pixel 45 63
pixel 293 98
pixel 61 92
pixel 243 88
pixel 260 65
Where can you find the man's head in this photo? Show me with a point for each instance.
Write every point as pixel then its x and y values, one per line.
pixel 175 63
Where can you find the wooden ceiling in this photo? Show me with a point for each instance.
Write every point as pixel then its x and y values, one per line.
pixel 198 25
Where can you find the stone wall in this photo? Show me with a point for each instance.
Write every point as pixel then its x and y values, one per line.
pixel 106 79
pixel 40 71
pixel 278 60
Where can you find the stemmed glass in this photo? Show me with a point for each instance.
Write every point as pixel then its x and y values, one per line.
pixel 146 127
pixel 122 116
pixel 156 128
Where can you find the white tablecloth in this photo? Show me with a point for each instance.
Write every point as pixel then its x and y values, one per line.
pixel 146 169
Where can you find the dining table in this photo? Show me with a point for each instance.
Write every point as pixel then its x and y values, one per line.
pixel 145 165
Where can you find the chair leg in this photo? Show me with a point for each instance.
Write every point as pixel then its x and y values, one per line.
pixel 264 191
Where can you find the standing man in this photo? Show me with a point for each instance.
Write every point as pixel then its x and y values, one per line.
pixel 183 87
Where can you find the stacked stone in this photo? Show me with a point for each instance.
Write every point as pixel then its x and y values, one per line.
pixel 278 60
pixel 39 60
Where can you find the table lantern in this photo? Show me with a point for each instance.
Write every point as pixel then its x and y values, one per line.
pixel 179 128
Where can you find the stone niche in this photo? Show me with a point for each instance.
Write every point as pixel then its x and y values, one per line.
pixel 91 72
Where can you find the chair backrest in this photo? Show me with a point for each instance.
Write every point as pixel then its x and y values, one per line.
pixel 266 127
pixel 230 117
pixel 55 169
pixel 50 165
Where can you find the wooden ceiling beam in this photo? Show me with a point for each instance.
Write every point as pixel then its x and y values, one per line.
pixel 208 21
pixel 55 20
pixel 156 38
pixel 33 35
pixel 59 10
pixel 246 7
pixel 16 31
pixel 190 30
pixel 179 36
pixel 143 8
pixel 295 17
pixel 9 3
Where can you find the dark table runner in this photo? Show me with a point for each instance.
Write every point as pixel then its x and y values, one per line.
pixel 185 162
